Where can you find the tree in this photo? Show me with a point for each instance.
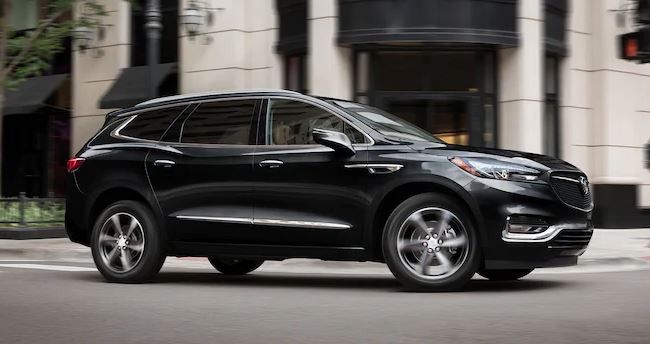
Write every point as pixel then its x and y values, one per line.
pixel 28 54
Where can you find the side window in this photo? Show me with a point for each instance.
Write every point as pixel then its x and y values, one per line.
pixel 291 122
pixel 220 122
pixel 151 125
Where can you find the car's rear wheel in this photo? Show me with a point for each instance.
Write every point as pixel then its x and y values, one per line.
pixel 429 243
pixel 504 275
pixel 235 266
pixel 125 243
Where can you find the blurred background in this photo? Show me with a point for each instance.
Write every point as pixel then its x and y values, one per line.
pixel 565 78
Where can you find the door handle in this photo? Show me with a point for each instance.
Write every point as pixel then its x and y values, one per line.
pixel 271 163
pixel 164 163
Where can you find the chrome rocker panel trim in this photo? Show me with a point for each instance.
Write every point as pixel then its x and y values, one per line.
pixel 267 222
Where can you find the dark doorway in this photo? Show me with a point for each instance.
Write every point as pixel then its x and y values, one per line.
pixel 450 93
pixel 453 118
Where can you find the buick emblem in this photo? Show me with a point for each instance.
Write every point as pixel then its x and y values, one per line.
pixel 584 185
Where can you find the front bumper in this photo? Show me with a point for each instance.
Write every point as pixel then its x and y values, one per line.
pixel 566 237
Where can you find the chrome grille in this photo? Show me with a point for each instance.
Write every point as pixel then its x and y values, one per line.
pixel 572 239
pixel 568 189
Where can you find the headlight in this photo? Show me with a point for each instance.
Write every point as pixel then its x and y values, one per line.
pixel 496 169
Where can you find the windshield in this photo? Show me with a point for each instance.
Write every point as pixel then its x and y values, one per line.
pixel 385 123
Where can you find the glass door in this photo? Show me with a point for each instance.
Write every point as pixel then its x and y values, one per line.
pixel 453 119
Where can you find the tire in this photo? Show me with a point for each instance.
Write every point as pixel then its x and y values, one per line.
pixel 504 275
pixel 455 249
pixel 234 266
pixel 124 257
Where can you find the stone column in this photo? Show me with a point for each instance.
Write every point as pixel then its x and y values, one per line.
pixel 520 83
pixel 330 66
pixel 95 70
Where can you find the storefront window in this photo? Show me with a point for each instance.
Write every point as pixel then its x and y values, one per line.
pixel 295 73
pixel 551 107
pixel 449 93
pixel 24 14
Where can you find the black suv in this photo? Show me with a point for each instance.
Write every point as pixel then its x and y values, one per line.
pixel 243 177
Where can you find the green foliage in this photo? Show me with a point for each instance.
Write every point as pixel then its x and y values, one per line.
pixel 30 53
pixel 36 213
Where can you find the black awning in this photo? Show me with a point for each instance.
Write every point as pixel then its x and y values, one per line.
pixel 131 88
pixel 32 94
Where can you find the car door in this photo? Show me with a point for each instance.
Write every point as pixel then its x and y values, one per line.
pixel 306 194
pixel 202 172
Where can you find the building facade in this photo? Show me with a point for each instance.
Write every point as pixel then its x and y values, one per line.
pixel 537 75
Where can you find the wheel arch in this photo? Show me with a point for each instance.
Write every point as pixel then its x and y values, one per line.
pixel 112 194
pixel 400 193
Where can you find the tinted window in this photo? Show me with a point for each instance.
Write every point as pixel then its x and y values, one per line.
pixel 291 123
pixel 220 122
pixel 151 125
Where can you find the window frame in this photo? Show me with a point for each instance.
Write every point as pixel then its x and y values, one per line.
pixel 265 121
pixel 303 76
pixel 130 116
pixel 373 94
pixel 252 138
pixel 552 99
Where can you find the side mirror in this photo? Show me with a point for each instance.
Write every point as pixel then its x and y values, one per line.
pixel 335 140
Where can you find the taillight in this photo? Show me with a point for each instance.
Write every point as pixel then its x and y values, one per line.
pixel 75 163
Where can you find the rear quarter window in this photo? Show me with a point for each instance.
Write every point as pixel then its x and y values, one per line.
pixel 151 125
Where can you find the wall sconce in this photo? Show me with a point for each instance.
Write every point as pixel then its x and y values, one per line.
pixel 82 37
pixel 195 17
pixel 192 18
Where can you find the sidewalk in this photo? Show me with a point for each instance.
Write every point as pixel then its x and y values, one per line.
pixel 610 249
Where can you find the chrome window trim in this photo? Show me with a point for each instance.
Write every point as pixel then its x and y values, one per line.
pixel 267 222
pixel 547 235
pixel 370 142
pixel 131 115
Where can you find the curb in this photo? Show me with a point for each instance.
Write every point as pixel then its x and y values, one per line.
pixel 32 233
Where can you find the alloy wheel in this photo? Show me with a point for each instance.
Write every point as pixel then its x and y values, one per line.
pixel 121 242
pixel 432 243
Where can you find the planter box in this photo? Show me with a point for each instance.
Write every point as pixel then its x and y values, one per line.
pixel 32 233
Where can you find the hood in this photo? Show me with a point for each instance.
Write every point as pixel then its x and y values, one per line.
pixel 538 161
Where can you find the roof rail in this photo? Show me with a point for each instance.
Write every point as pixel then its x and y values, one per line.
pixel 211 93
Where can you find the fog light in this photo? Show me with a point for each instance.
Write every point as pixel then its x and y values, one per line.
pixel 524 229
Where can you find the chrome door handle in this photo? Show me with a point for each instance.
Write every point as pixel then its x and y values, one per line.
pixel 164 163
pixel 271 163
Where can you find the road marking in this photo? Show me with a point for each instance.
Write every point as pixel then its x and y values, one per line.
pixel 47 267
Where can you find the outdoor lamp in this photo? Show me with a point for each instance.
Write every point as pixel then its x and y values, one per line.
pixel 192 19
pixel 82 36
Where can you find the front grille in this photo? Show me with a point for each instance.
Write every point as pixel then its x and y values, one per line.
pixel 568 189
pixel 572 239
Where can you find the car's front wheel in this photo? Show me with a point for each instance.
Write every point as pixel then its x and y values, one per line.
pixel 125 243
pixel 504 275
pixel 234 266
pixel 429 243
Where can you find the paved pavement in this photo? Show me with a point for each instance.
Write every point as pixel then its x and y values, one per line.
pixel 202 306
pixel 51 293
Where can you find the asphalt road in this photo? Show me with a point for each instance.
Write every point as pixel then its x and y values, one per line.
pixel 201 306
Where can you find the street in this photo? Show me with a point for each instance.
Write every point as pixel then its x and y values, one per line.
pixel 68 302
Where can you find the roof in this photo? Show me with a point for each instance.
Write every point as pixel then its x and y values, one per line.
pixel 182 97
